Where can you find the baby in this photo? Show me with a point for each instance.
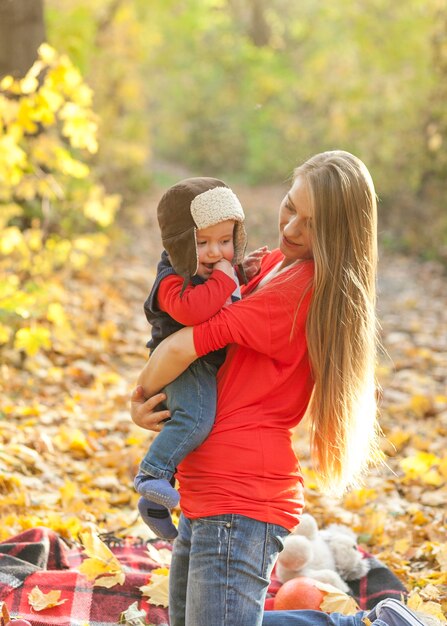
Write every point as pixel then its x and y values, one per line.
pixel 202 228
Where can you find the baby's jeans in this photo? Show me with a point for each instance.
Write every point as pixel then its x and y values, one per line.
pixel 316 618
pixel 191 399
pixel 220 570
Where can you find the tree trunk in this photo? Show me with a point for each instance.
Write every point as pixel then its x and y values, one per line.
pixel 22 30
pixel 252 15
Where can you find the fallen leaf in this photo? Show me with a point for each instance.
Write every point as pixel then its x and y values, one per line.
pixel 101 561
pixel 157 589
pixel 133 616
pixel 336 601
pixel 5 613
pixel 416 603
pixel 162 557
pixel 40 601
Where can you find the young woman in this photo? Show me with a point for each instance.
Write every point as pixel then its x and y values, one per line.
pixel 303 339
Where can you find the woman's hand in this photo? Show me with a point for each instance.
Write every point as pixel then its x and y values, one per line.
pixel 143 411
pixel 252 262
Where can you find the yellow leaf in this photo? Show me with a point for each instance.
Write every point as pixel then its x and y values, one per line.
pixel 52 99
pixel 40 601
pixel 56 314
pixel 416 603
pixel 31 340
pixel 102 566
pixel 47 53
pixel 401 546
pixel 421 405
pixel 5 612
pixel 107 330
pixel 101 208
pixel 336 601
pixel 72 439
pixel 358 498
pixel 34 239
pixel 6 82
pixel 68 491
pixel 432 477
pixel 5 334
pixel 27 116
pixel 419 518
pixel 157 588
pixel 415 467
pixel 79 127
pixel 10 239
pixel 398 438
pixel 29 84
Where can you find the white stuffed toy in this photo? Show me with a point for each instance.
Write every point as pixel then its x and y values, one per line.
pixel 330 555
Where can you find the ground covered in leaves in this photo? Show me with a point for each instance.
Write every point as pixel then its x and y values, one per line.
pixel 69 450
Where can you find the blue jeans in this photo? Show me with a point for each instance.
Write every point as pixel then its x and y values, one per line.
pixel 220 570
pixel 191 398
pixel 315 618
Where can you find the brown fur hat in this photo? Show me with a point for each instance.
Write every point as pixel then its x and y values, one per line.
pixel 191 205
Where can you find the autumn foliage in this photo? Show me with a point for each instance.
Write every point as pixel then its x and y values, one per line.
pixel 53 213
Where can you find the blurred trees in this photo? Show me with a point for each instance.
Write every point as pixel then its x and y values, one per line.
pixel 52 207
pixel 244 89
pixel 248 88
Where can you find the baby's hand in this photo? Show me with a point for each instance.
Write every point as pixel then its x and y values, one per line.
pixel 252 262
pixel 224 266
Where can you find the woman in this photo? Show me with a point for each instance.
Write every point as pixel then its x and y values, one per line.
pixel 303 339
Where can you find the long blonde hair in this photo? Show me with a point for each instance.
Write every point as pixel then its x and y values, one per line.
pixel 341 326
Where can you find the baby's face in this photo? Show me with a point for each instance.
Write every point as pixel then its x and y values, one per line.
pixel 213 244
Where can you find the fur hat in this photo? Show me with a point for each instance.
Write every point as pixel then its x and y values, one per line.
pixel 191 205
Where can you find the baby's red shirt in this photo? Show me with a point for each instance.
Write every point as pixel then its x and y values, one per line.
pixel 197 303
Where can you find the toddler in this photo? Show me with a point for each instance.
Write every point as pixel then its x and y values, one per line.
pixel 202 228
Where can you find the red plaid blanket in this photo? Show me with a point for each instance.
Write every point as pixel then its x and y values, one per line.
pixel 40 557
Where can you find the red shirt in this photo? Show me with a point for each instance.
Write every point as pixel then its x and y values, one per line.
pixel 247 464
pixel 198 302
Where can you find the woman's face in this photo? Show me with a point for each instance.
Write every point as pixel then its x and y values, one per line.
pixel 295 223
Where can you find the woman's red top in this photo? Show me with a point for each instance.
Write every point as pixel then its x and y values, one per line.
pixel 247 464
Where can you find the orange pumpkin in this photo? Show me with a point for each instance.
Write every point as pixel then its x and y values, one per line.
pixel 298 593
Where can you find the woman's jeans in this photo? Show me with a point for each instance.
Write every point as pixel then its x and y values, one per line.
pixel 191 399
pixel 220 570
pixel 316 618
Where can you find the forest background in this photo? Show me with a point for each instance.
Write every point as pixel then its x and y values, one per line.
pixel 125 97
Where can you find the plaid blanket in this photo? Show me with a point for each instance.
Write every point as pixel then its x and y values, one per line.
pixel 40 557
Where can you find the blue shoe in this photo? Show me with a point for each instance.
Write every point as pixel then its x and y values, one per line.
pixel 158 490
pixel 396 613
pixel 158 518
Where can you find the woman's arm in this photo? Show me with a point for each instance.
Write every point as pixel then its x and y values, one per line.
pixel 170 359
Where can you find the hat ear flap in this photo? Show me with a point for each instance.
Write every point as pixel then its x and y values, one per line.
pixel 182 251
pixel 240 243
